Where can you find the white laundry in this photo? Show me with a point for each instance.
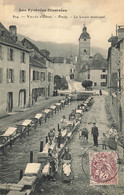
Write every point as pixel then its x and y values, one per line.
pixel 67 169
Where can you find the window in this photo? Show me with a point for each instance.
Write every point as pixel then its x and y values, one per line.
pixel 10 54
pixel 95 84
pixel 42 76
pixel 49 76
pixel 33 75
pixel 10 75
pixel 1 75
pixel 84 50
pixel 1 52
pixel 119 80
pixel 37 75
pixel 103 84
pixel 88 76
pixel 22 76
pixel 103 70
pixel 103 76
pixel 23 57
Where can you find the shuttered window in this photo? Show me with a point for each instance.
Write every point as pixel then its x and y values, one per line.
pixel 42 76
pixel 1 52
pixel 33 75
pixel 49 77
pixel 10 54
pixel 10 75
pixel 22 76
pixel 103 84
pixel 22 57
pixel 1 75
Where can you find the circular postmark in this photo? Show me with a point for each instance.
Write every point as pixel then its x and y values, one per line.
pixel 100 167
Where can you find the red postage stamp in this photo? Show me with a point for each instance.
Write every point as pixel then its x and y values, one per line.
pixel 103 168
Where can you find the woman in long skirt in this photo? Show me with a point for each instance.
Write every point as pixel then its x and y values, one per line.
pixel 67 173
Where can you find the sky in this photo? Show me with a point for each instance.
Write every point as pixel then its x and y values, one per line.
pixel 64 26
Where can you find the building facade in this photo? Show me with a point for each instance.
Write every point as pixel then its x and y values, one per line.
pixel 83 56
pixel 63 68
pixel 88 67
pixel 97 72
pixel 14 72
pixel 41 72
pixel 116 77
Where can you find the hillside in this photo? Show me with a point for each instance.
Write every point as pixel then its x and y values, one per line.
pixel 63 50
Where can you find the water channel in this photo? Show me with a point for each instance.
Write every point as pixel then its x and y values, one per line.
pixel 18 156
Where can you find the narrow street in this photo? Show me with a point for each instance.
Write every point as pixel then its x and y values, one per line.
pixel 81 182
pixel 18 156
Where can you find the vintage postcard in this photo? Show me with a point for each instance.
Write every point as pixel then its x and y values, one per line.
pixel 61 97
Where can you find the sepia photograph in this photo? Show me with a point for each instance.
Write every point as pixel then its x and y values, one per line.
pixel 62 97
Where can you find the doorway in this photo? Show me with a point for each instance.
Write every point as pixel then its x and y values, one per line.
pixel 10 102
pixel 22 98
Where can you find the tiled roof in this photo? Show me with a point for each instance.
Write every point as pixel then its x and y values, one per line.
pixel 36 48
pixel 113 39
pixel 84 36
pixel 6 39
pixel 98 62
pixel 57 59
pixel 45 50
pixel 98 65
pixel 36 63
pixel 95 63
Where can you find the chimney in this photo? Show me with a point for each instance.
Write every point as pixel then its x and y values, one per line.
pixel 120 32
pixel 13 32
pixel 113 40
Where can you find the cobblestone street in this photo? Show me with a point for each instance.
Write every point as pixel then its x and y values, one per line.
pixel 81 183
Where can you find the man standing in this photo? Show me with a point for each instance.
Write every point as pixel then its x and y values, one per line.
pixel 95 134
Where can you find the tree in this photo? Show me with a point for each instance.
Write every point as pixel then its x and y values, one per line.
pixel 87 84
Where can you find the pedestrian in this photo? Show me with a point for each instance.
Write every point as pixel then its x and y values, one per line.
pixel 52 169
pixel 51 136
pixel 95 134
pixel 100 92
pixel 67 173
pixel 80 133
pixel 85 134
pixel 63 122
pixel 112 137
pixel 103 138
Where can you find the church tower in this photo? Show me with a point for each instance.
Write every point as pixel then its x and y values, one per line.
pixel 84 45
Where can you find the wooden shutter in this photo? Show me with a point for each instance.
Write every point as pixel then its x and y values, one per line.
pixel 7 75
pixel 8 54
pixel 20 76
pixel 13 55
pixel 24 76
pixel 13 76
pixel 1 52
pixel 24 57
pixel 1 75
pixel 20 56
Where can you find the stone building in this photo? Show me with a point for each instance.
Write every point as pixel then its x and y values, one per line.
pixel 116 77
pixel 41 72
pixel 14 72
pixel 64 68
pixel 88 67
pixel 97 71
pixel 84 55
